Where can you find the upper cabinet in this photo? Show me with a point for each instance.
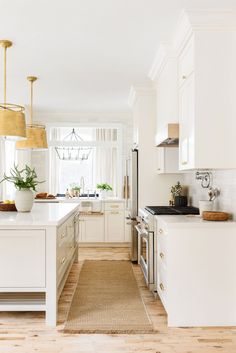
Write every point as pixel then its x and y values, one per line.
pixel 206 47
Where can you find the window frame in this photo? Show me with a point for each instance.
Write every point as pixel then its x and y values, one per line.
pixel 118 144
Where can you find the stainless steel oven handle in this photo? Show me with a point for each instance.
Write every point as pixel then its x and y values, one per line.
pixel 141 232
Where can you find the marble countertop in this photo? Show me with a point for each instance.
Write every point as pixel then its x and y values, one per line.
pixel 46 214
pixel 192 221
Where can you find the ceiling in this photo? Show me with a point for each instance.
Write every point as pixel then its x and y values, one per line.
pixel 87 53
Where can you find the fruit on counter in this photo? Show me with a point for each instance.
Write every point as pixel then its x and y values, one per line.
pixel 9 202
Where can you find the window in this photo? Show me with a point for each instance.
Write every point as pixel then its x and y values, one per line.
pixel 103 163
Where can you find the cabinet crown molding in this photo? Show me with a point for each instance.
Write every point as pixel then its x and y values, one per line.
pixel 147 89
pixel 164 53
pixel 191 21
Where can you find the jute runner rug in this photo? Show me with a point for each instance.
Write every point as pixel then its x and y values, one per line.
pixel 107 300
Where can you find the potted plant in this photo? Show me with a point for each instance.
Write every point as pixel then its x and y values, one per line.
pixel 25 181
pixel 104 188
pixel 75 190
pixel 176 191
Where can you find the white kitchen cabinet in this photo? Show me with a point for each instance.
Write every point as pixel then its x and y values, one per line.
pixel 196 270
pixel 114 226
pixel 167 160
pixel 17 250
pixel 186 121
pixel 91 228
pixel 207 80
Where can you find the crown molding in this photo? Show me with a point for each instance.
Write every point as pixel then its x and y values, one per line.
pixel 141 90
pixel 164 53
pixel 191 21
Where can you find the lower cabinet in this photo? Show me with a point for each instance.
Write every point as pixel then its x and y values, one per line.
pixel 114 226
pixel 91 229
pixel 108 226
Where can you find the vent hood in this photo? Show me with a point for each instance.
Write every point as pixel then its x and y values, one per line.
pixel 168 136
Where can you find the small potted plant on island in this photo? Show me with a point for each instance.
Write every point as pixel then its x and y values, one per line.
pixel 176 191
pixel 25 181
pixel 104 188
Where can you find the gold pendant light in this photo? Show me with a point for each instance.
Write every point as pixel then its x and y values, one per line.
pixel 36 133
pixel 12 118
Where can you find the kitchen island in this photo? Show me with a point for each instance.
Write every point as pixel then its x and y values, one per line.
pixel 37 250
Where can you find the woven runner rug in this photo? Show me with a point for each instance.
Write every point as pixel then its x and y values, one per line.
pixel 107 300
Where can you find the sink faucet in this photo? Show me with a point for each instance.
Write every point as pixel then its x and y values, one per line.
pixel 82 184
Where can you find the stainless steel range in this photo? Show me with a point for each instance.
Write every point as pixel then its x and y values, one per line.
pixel 147 249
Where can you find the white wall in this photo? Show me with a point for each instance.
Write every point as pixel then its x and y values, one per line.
pixel 225 180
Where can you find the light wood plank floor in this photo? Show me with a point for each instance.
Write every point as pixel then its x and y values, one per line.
pixel 26 332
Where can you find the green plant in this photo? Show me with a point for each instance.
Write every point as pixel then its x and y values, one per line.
pixel 22 179
pixel 104 186
pixel 176 190
pixel 75 187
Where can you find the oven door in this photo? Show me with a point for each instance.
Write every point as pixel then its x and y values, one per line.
pixel 145 254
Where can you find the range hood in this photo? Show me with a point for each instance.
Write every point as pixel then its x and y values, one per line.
pixel 168 136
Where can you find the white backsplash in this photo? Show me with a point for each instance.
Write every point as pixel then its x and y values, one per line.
pixel 225 180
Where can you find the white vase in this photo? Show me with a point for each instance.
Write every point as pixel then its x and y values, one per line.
pixel 103 194
pixel 24 200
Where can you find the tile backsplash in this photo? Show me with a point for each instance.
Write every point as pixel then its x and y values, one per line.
pixel 225 180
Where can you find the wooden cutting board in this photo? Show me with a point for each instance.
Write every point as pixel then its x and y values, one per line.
pixel 215 216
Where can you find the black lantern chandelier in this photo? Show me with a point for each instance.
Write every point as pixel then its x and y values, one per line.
pixel 73 153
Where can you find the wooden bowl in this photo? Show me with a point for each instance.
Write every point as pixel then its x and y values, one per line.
pixel 215 216
pixel 5 207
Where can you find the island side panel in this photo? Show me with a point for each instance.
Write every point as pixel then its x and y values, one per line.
pixel 51 276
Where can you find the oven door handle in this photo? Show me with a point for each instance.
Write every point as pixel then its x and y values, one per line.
pixel 141 232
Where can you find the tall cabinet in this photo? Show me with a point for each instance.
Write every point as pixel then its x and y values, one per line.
pixel 206 47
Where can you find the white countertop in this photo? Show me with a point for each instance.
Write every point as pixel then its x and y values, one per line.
pixel 77 200
pixel 44 214
pixel 192 221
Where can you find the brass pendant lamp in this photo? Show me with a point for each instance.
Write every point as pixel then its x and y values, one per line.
pixel 36 133
pixel 12 117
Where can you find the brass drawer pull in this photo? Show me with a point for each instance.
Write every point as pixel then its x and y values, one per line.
pixel 161 286
pixel 63 235
pixel 184 77
pixel 63 260
pixel 162 255
pixel 184 163
pixel 160 231
pixel 114 206
pixel 114 212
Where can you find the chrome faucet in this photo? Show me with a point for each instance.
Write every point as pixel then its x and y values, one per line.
pixel 82 184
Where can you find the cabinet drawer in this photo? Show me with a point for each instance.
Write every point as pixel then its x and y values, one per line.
pixel 186 62
pixel 114 206
pixel 22 258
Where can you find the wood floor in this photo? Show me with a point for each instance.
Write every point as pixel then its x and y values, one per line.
pixel 26 332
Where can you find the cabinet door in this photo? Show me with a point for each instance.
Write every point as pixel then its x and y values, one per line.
pixel 92 229
pixel 160 160
pixel 186 124
pixel 167 160
pixel 22 258
pixel 115 226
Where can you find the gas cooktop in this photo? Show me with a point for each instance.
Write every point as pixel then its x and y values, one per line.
pixel 172 210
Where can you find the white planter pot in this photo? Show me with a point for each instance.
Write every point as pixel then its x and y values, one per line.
pixel 24 200
pixel 103 194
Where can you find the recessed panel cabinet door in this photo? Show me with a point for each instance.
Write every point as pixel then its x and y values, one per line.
pixel 91 229
pixel 22 258
pixel 115 226
pixel 186 125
